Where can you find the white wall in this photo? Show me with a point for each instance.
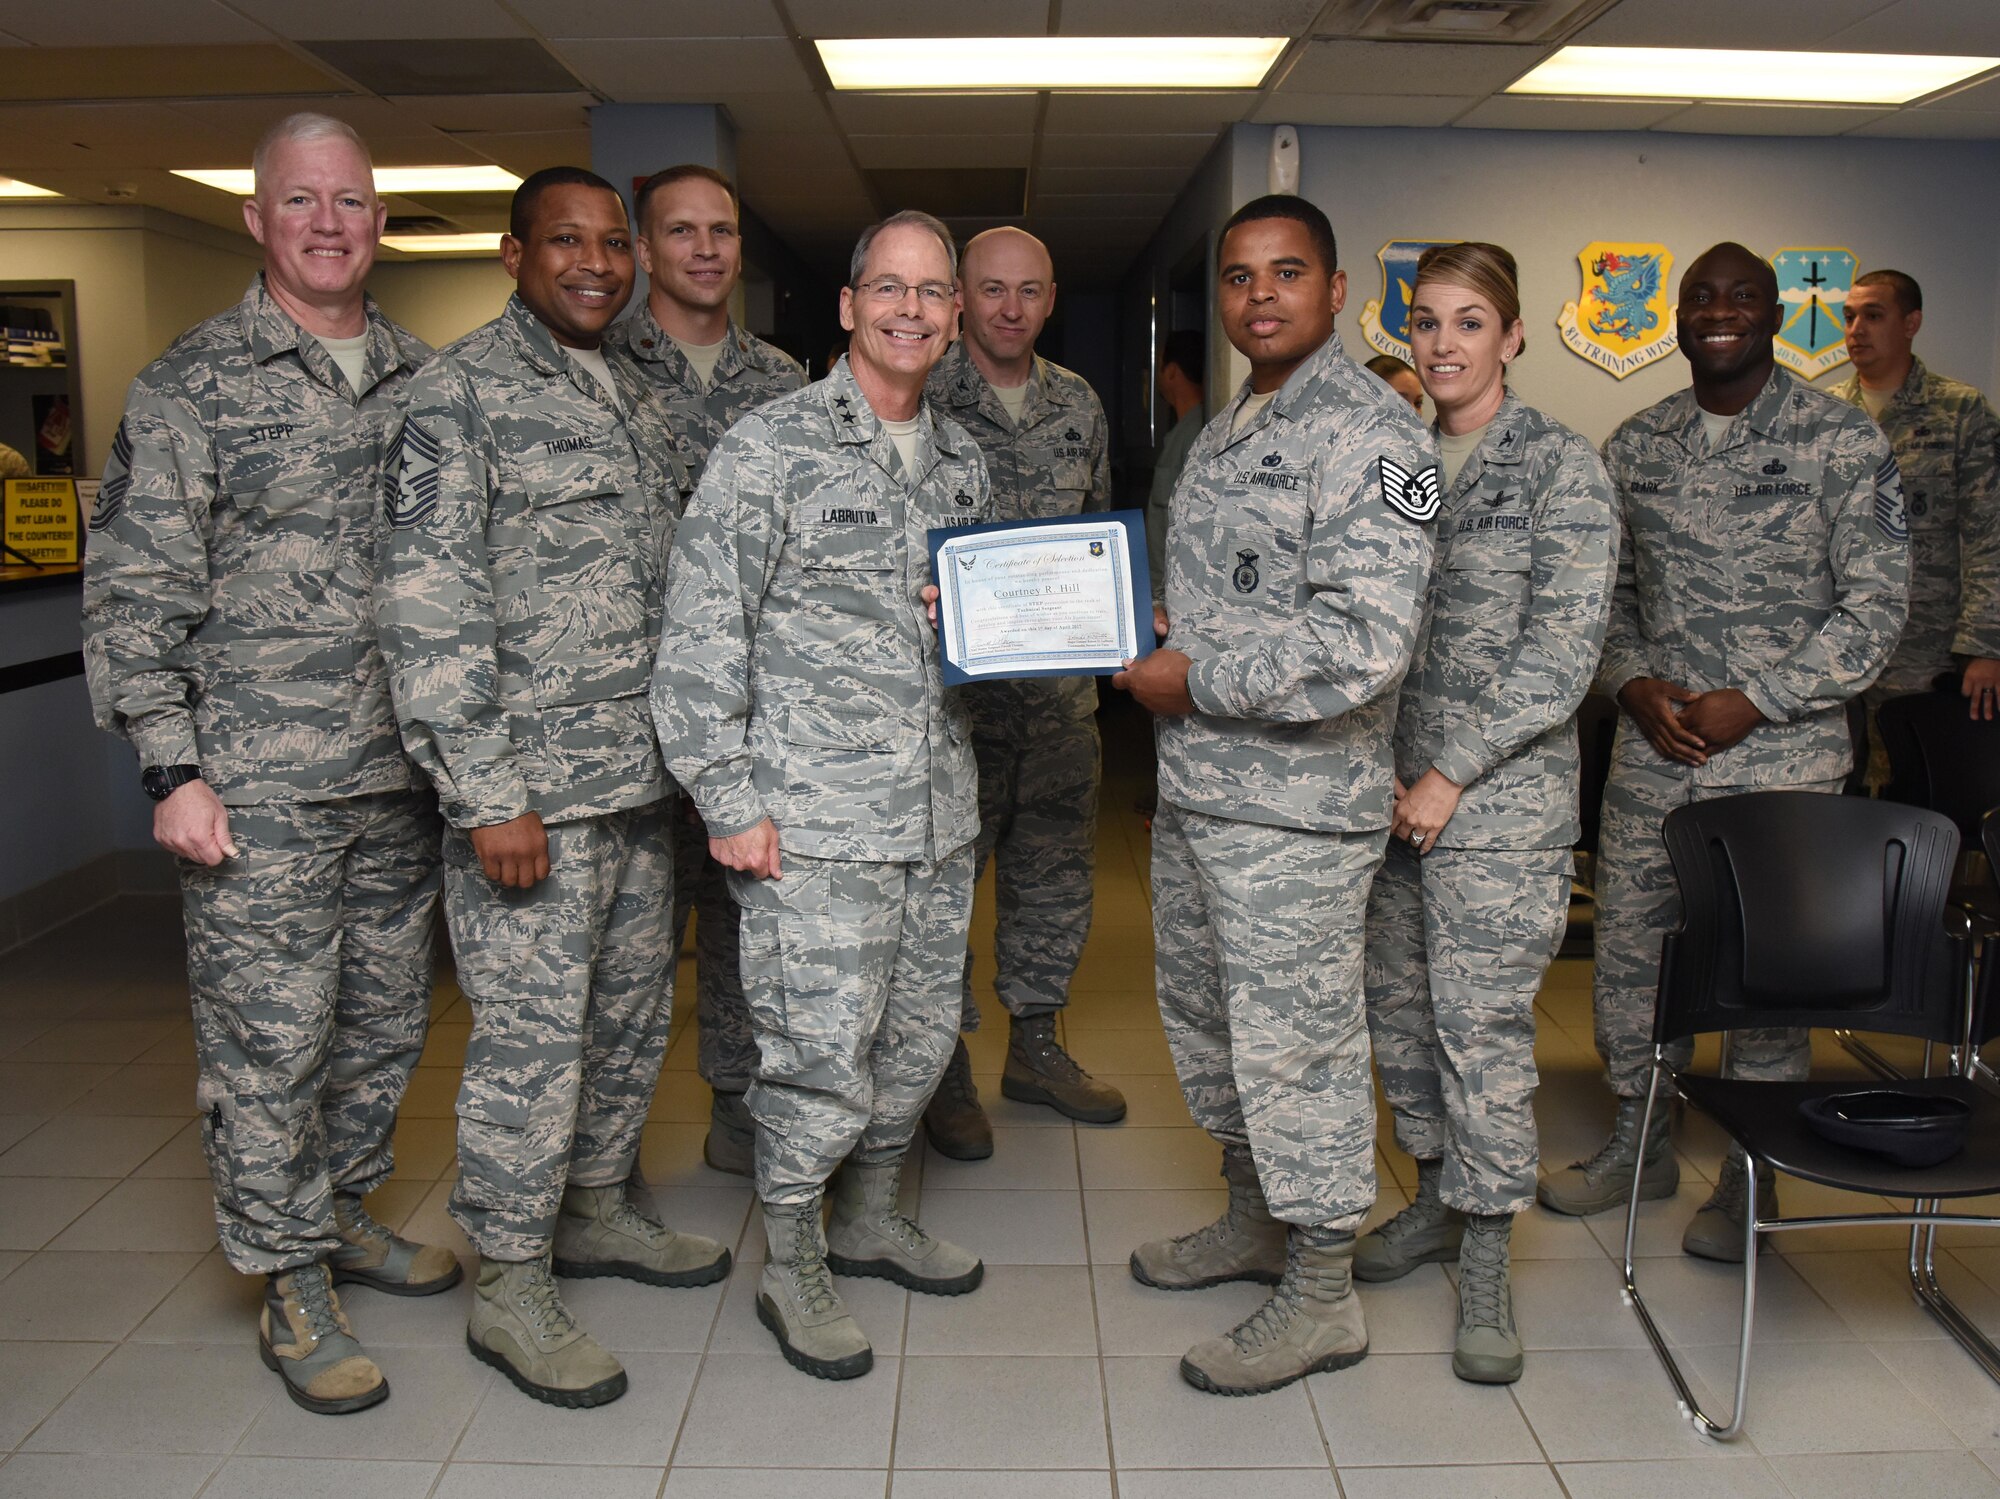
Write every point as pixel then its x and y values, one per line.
pixel 1925 207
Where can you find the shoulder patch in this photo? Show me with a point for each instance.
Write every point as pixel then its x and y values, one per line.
pixel 1891 516
pixel 111 493
pixel 413 476
pixel 1414 496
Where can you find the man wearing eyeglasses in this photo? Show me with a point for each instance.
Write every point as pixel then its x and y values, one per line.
pixel 799 701
pixel 1043 434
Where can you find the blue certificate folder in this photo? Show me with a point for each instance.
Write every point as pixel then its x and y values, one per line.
pixel 1124 530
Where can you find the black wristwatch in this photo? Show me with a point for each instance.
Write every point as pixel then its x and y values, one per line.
pixel 162 781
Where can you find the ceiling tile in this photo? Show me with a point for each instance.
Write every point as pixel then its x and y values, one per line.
pixel 1116 205
pixel 1935 124
pixel 1977 97
pixel 1124 150
pixel 690 71
pixel 376 20
pixel 1952 28
pixel 946 114
pixel 132 22
pixel 1523 112
pixel 110 141
pixel 1099 179
pixel 241 122
pixel 486 112
pixel 801 153
pixel 797 113
pixel 522 152
pixel 253 69
pixel 1767 119
pixel 890 18
pixel 1408 67
pixel 909 151
pixel 1367 109
pixel 1780 25
pixel 1187 17
pixel 435 66
pixel 1133 114
pixel 650 18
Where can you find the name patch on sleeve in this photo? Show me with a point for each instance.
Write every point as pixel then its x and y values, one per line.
pixel 1414 496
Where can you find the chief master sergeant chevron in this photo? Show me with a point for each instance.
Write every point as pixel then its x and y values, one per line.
pixel 1299 548
pixel 800 702
pixel 522 577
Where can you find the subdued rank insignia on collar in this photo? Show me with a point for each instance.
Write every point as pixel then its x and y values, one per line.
pixel 1506 439
pixel 1890 515
pixel 413 470
pixel 1414 496
pixel 111 493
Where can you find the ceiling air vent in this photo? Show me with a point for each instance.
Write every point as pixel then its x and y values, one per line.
pixel 1457 20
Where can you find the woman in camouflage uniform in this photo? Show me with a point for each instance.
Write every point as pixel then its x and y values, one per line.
pixel 1469 906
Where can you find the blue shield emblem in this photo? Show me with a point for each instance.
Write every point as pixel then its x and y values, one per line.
pixel 1097 549
pixel 1385 321
pixel 1813 283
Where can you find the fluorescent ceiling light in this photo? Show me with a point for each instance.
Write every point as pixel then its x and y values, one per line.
pixel 1775 77
pixel 13 188
pixel 444 244
pixel 935 65
pixel 387 179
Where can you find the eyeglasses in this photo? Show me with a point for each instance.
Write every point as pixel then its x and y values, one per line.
pixel 888 291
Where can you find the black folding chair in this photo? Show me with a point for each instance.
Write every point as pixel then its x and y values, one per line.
pixel 1808 910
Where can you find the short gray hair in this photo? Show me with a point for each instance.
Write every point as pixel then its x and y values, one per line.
pixel 912 216
pixel 306 125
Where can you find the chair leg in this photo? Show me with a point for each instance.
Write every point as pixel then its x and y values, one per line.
pixel 1867 1055
pixel 1704 1423
pixel 1932 1298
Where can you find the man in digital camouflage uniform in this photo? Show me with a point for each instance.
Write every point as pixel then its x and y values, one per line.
pixel 800 701
pixel 1947 444
pixel 535 492
pixel 706 372
pixel 229 636
pixel 1047 449
pixel 1763 574
pixel 1298 554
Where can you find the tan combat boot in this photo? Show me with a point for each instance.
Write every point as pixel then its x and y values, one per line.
pixel 1487 1349
pixel 1245 1243
pixel 1424 1233
pixel 520 1326
pixel 1311 1324
pixel 304 1338
pixel 731 1144
pixel 371 1255
pixel 954 1122
pixel 1040 1071
pixel 867 1234
pixel 1604 1180
pixel 1715 1232
pixel 797 1301
pixel 599 1232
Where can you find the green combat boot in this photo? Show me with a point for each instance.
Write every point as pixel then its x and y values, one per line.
pixel 867 1234
pixel 1604 1180
pixel 731 1145
pixel 598 1232
pixel 520 1326
pixel 1040 1071
pixel 1488 1350
pixel 370 1255
pixel 953 1120
pixel 1245 1243
pixel 797 1301
pixel 1715 1232
pixel 1311 1324
pixel 303 1337
pixel 1424 1233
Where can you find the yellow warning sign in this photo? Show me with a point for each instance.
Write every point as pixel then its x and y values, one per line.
pixel 42 522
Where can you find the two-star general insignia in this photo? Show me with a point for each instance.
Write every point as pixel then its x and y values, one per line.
pixel 1414 496
pixel 413 476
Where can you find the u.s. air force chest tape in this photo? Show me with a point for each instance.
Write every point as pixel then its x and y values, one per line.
pixel 1059 597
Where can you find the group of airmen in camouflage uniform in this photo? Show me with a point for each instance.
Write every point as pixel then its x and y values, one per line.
pixel 382 623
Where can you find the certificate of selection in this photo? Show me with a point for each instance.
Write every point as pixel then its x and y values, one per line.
pixel 1043 598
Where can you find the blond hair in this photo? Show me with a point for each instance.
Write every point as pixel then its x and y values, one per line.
pixel 1484 268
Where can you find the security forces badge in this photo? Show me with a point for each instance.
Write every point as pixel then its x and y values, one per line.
pixel 1621 321
pixel 413 476
pixel 1385 322
pixel 1813 284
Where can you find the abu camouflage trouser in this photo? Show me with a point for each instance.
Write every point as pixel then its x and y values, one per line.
pixel 725 1052
pixel 1458 942
pixel 1637 905
pixel 571 987
pixel 852 973
pixel 1257 948
pixel 1038 823
pixel 309 965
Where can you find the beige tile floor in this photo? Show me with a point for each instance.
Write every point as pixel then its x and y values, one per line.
pixel 127 1364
